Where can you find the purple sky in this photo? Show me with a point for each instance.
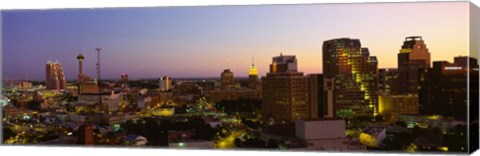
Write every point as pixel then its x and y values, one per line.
pixel 202 41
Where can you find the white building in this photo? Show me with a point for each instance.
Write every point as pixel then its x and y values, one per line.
pixel 165 83
pixel 326 134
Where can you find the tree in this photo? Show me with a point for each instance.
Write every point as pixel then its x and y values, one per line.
pixel 7 133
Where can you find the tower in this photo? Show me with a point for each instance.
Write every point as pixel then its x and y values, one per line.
pixel 80 59
pixel 285 91
pixel 253 77
pixel 227 79
pixel 55 78
pixel 99 82
pixel 354 73
pixel 413 57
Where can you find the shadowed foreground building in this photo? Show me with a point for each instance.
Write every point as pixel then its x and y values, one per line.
pixel 353 73
pixel 285 91
pixel 443 88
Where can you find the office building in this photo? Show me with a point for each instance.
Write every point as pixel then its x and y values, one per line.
pixel 55 79
pixel 413 57
pixel 354 75
pixel 387 80
pixel 390 106
pixel 218 95
pixel 285 91
pixel 443 88
pixel 165 83
pixel 253 81
pixel 316 96
pixel 227 79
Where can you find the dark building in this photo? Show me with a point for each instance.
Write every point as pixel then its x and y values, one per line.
pixel 413 57
pixel 354 75
pixel 316 96
pixel 85 134
pixel 387 78
pixel 227 79
pixel 443 88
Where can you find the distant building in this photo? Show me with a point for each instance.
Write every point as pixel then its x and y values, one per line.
pixel 218 95
pixel 354 75
pixel 55 79
pixel 393 105
pixel 443 88
pixel 413 56
pixel 387 80
pixel 285 91
pixel 227 79
pixel 165 83
pixel 253 80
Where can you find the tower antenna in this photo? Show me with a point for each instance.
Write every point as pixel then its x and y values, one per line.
pixel 99 75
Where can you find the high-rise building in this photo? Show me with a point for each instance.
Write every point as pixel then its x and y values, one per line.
pixel 165 83
pixel 227 79
pixel 253 78
pixel 387 80
pixel 413 57
pixel 354 75
pixel 285 91
pixel 443 88
pixel 391 106
pixel 316 96
pixel 55 79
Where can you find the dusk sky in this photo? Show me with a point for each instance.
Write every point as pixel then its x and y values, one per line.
pixel 202 41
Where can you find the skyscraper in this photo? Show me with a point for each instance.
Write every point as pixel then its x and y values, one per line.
pixel 413 57
pixel 55 79
pixel 227 79
pixel 443 88
pixel 253 77
pixel 285 91
pixel 354 75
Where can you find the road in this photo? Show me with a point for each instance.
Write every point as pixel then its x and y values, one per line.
pixel 229 141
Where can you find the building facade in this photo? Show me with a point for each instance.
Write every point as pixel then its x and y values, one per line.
pixel 391 106
pixel 354 75
pixel 253 81
pixel 165 83
pixel 227 79
pixel 285 91
pixel 387 80
pixel 55 78
pixel 413 57
pixel 316 96
pixel 443 88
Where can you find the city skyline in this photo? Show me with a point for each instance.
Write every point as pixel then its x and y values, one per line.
pixel 187 41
